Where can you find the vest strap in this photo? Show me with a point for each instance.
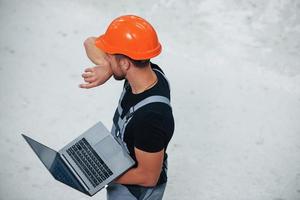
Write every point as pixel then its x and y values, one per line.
pixel 146 101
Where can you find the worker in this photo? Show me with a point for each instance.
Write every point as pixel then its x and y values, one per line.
pixel 143 120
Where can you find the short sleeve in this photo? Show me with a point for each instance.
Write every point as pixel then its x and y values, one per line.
pixel 149 133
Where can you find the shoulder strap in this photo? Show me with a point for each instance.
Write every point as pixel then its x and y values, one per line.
pixel 146 101
pixel 122 123
pixel 125 88
pixel 163 76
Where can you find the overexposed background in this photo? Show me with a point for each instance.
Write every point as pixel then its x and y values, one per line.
pixel 234 66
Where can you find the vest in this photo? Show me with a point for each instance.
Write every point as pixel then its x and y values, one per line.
pixel 119 123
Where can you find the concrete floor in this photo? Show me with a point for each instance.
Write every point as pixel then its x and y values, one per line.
pixel 235 75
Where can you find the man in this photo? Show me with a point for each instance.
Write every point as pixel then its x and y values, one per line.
pixel 144 109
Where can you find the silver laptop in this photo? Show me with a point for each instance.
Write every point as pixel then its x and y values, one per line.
pixel 88 163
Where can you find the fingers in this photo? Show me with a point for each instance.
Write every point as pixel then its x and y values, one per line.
pixel 90 69
pixel 91 79
pixel 95 76
pixel 87 75
pixel 88 85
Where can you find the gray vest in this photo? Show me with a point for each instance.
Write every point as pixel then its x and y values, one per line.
pixel 119 123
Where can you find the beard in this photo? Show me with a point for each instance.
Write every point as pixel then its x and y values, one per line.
pixel 118 78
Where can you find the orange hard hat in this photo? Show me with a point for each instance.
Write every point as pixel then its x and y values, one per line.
pixel 132 36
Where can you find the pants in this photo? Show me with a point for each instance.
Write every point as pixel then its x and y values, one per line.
pixel 121 192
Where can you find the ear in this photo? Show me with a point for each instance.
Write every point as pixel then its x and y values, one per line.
pixel 124 64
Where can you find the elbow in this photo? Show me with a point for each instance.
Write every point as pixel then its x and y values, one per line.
pixel 89 41
pixel 150 184
pixel 150 181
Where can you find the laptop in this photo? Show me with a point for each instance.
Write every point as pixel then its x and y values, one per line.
pixel 88 163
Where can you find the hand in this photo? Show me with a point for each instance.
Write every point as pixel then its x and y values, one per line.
pixel 99 74
pixel 96 76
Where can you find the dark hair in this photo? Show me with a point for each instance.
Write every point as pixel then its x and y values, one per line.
pixel 137 63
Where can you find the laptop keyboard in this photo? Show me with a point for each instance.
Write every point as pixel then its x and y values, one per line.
pixel 89 162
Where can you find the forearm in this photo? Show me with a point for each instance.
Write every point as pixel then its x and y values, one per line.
pixel 96 55
pixel 136 176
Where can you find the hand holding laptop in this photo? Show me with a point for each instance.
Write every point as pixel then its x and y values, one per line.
pixel 88 163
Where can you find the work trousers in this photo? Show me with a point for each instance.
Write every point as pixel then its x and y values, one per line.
pixel 121 192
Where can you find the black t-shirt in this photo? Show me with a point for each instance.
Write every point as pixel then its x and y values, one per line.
pixel 152 126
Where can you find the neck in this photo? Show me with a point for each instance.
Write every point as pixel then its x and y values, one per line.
pixel 141 79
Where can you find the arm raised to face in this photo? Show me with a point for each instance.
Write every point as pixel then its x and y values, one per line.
pixel 96 55
pixel 99 74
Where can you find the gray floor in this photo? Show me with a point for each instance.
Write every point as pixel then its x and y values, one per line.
pixel 235 75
